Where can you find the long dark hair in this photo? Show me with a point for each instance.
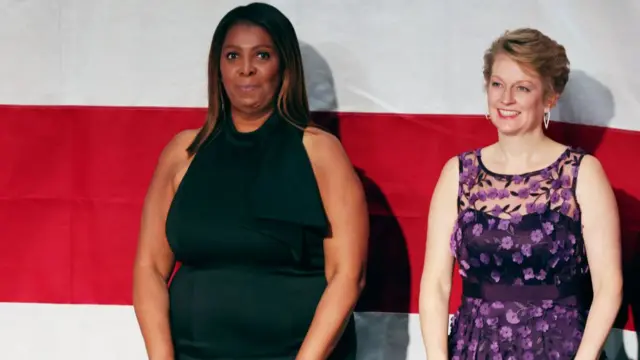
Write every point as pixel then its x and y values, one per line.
pixel 292 103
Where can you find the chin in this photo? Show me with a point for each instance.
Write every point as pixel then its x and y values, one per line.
pixel 509 129
pixel 247 102
pixel 509 132
pixel 255 106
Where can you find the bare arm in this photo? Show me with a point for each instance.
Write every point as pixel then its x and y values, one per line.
pixel 346 248
pixel 435 285
pixel 601 232
pixel 154 260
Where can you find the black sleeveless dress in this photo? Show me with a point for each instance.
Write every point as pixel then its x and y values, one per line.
pixel 247 224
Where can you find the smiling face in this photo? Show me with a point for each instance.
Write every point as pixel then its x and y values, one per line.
pixel 516 97
pixel 250 68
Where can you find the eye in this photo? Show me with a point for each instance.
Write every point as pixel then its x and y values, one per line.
pixel 522 88
pixel 495 84
pixel 264 55
pixel 231 55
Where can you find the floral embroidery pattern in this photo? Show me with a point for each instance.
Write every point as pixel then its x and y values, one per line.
pixel 514 232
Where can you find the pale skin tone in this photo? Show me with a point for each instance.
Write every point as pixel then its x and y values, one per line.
pixel 522 146
pixel 250 75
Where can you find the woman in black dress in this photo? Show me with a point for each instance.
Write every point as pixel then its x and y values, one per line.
pixel 263 211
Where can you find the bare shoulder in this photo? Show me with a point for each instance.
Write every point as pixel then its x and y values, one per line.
pixel 176 148
pixel 590 164
pixel 336 176
pixel 450 168
pixel 591 173
pixel 446 187
pixel 593 189
pixel 324 148
pixel 174 158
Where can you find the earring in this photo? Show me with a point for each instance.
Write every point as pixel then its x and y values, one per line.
pixel 547 116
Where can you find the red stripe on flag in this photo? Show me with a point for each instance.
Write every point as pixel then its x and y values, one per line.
pixel 74 179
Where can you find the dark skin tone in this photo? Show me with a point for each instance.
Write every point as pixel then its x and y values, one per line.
pixel 249 66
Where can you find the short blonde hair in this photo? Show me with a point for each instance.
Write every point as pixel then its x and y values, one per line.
pixel 534 50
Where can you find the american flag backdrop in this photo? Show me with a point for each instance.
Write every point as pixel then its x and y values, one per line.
pixel 91 90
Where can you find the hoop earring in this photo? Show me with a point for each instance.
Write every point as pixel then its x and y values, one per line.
pixel 547 116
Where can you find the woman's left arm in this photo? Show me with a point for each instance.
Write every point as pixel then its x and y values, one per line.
pixel 345 248
pixel 601 231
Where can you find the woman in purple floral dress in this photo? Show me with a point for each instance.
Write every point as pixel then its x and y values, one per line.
pixel 527 213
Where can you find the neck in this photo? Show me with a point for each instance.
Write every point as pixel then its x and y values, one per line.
pixel 521 147
pixel 248 122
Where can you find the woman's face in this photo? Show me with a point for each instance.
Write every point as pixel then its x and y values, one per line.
pixel 515 97
pixel 250 68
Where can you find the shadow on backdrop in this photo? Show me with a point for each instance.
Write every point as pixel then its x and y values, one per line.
pixel 380 336
pixel 586 101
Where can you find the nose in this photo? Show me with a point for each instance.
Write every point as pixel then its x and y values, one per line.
pixel 247 68
pixel 507 97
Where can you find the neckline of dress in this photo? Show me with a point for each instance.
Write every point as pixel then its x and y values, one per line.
pixel 549 167
pixel 269 123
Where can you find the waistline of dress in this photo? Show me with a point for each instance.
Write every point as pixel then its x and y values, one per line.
pixel 577 287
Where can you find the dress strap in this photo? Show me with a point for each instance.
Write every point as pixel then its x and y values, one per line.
pixel 468 170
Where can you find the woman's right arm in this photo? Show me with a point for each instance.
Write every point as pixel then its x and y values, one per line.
pixel 435 285
pixel 154 260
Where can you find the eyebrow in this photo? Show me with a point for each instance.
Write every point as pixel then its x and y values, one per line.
pixel 231 46
pixel 519 81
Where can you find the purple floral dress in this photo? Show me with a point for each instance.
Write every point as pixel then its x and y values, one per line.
pixel 518 242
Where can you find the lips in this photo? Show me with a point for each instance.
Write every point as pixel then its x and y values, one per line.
pixel 508 114
pixel 247 87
